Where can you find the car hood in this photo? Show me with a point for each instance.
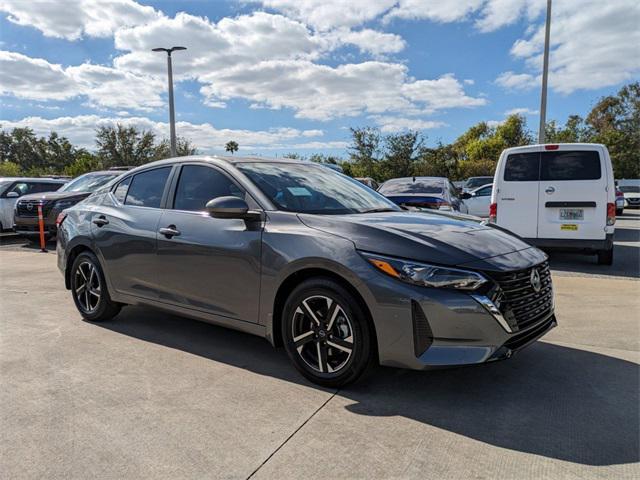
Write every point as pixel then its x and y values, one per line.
pixel 55 196
pixel 429 238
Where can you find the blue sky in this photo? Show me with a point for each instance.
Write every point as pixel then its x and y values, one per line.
pixel 284 76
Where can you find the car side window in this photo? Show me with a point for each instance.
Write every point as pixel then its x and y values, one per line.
pixel 198 184
pixel 484 192
pixel 522 167
pixel 146 188
pixel 120 191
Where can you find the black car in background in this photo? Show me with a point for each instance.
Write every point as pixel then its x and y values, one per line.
pixel 436 193
pixel 25 218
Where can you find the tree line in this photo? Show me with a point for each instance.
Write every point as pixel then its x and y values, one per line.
pixel 613 121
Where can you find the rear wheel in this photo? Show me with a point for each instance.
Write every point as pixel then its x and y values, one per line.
pixel 619 212
pixel 605 257
pixel 326 333
pixel 89 289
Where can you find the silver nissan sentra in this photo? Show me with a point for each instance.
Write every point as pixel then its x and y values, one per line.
pixel 309 259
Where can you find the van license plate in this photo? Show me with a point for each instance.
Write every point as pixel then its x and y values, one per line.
pixel 571 214
pixel 569 226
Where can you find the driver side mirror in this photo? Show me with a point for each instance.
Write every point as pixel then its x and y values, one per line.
pixel 231 207
pixel 13 195
pixel 466 195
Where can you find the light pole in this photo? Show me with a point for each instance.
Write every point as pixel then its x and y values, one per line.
pixel 172 117
pixel 545 74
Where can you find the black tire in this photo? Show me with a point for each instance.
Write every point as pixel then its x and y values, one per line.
pixel 322 356
pixel 605 257
pixel 619 212
pixel 86 271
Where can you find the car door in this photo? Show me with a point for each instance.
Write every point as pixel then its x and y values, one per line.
pixel 124 230
pixel 517 194
pixel 479 203
pixel 573 194
pixel 209 264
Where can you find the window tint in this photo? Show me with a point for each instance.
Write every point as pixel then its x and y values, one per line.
pixel 146 188
pixel 25 188
pixel 404 185
pixel 121 190
pixel 199 184
pixel 522 167
pixel 580 165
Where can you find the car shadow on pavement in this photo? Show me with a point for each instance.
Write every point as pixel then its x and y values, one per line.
pixel 548 400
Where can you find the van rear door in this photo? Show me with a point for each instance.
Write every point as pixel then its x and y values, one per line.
pixel 517 193
pixel 573 193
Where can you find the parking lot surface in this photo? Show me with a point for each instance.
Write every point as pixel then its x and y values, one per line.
pixel 150 395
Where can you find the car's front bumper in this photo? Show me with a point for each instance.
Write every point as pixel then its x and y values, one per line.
pixel 30 227
pixel 422 328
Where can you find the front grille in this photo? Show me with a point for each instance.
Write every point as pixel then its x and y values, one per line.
pixel 634 201
pixel 514 294
pixel 29 208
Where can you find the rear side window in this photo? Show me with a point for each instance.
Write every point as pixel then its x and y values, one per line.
pixel 484 192
pixel 147 187
pixel 578 165
pixel 522 167
pixel 199 184
pixel 121 190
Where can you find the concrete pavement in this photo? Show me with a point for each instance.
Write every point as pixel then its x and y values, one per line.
pixel 149 395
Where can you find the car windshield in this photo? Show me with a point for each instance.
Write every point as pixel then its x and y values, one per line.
pixel 475 182
pixel 410 186
pixel 629 189
pixel 87 182
pixel 305 188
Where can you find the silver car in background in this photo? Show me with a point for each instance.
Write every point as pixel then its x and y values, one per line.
pixel 12 188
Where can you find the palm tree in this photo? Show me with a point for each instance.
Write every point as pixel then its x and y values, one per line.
pixel 231 146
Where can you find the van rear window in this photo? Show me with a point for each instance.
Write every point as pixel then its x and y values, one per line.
pixel 577 165
pixel 522 167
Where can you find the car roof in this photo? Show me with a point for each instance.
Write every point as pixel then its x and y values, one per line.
pixel 417 179
pixel 34 179
pixel 541 147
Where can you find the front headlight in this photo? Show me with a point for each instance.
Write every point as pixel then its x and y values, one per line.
pixel 424 274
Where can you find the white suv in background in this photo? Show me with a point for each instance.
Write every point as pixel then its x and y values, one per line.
pixel 557 196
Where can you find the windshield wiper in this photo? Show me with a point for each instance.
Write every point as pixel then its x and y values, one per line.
pixel 379 210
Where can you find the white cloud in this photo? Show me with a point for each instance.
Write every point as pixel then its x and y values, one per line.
pixel 434 10
pixel 389 124
pixel 594 44
pixel 321 92
pixel 521 111
pixel 72 19
pixel 516 81
pixel 370 41
pixel 328 14
pixel 81 131
pixel 105 87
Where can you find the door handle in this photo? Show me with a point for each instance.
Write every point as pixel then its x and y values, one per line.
pixel 101 221
pixel 550 190
pixel 170 231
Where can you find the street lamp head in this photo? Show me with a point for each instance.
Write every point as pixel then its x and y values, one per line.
pixel 168 50
pixel 159 50
pixel 178 48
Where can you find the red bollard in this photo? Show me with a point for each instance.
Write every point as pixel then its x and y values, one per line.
pixel 41 225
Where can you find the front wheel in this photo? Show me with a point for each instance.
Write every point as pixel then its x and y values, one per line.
pixel 89 289
pixel 326 333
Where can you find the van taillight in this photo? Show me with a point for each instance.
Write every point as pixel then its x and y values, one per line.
pixel 551 147
pixel 611 214
pixel 493 213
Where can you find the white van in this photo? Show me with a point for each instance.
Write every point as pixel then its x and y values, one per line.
pixel 557 196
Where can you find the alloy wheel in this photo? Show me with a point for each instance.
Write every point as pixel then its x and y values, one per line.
pixel 322 334
pixel 87 287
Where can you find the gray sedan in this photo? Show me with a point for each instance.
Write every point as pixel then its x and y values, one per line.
pixel 308 258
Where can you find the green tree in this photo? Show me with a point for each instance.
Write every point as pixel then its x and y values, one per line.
pixel 401 152
pixel 9 169
pixel 615 122
pixel 184 148
pixel 83 163
pixel 231 146
pixel 364 151
pixel 119 145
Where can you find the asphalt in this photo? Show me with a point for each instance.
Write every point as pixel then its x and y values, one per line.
pixel 149 395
